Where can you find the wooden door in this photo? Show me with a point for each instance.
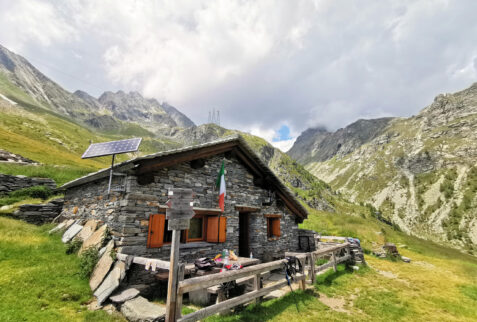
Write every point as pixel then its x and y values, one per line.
pixel 156 230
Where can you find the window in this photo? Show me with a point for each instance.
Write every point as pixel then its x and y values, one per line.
pixel 196 229
pixel 273 226
pixel 202 227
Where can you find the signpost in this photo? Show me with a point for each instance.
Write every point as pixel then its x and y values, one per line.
pixel 178 215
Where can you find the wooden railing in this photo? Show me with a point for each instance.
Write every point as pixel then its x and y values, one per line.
pixel 308 260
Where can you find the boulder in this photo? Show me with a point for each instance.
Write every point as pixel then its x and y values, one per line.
pixel 140 309
pixel 64 225
pixel 88 230
pixel 102 267
pixel 111 282
pixel 95 240
pixel 405 259
pixel 71 232
pixel 125 295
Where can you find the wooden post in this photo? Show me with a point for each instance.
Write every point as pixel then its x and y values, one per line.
pixel 171 307
pixel 256 286
pixel 303 281
pixel 180 277
pixel 333 258
pixel 312 260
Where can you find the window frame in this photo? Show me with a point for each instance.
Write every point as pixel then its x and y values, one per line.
pixel 204 230
pixel 270 219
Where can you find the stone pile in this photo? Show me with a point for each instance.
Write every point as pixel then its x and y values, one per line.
pixel 10 183
pixel 109 272
pixel 39 214
pixel 389 250
pixel 357 253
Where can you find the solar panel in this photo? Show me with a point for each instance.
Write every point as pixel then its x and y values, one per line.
pixel 113 147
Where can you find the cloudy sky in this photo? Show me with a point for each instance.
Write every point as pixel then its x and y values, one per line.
pixel 273 68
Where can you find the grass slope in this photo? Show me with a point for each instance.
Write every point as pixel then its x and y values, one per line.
pixel 39 282
pixel 440 284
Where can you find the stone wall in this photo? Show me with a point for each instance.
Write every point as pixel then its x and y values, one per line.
pixel 128 213
pixel 41 213
pixel 10 183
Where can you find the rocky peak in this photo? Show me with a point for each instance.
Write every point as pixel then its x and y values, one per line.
pixel 319 145
pixel 149 113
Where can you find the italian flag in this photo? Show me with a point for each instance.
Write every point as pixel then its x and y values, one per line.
pixel 221 185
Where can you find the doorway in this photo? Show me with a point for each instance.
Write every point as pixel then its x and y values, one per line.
pixel 244 234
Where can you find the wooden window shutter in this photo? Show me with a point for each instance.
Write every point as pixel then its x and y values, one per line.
pixel 213 229
pixel 155 236
pixel 276 227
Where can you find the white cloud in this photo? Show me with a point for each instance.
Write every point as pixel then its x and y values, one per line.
pixel 26 23
pixel 262 63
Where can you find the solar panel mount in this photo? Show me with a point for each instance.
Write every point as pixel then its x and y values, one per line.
pixel 111 148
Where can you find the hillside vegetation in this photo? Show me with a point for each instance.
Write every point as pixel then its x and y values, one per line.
pixel 419 172
pixel 440 284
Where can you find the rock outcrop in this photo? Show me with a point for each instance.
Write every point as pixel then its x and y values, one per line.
pixel 39 214
pixel 10 183
pixel 419 172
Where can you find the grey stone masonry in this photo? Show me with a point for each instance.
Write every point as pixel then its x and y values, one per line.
pixel 10 183
pixel 127 213
pixel 41 213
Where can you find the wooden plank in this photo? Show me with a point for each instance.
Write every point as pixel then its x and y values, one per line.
pixel 246 208
pixel 215 289
pixel 228 304
pixel 293 208
pixel 143 260
pixel 332 238
pixel 201 282
pixel 207 211
pixel 172 159
pixel 248 162
pixel 330 263
pixel 327 250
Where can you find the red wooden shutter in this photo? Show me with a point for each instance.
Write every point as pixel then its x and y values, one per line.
pixel 276 227
pixel 155 237
pixel 213 229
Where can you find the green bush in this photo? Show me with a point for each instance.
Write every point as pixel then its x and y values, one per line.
pixel 73 246
pixel 88 260
pixel 41 192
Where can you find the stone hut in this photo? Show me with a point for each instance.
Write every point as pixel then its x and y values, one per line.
pixel 261 214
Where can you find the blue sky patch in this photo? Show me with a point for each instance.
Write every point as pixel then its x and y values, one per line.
pixel 283 134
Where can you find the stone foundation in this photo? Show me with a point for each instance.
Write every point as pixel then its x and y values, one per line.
pixel 41 213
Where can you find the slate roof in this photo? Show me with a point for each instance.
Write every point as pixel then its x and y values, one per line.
pixel 240 143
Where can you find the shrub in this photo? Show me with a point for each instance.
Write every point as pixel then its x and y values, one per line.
pixel 88 260
pixel 32 192
pixel 73 246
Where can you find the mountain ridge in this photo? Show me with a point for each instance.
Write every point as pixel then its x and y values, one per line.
pixel 418 172
pixel 96 113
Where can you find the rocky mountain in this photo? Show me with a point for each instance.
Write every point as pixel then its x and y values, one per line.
pixel 109 113
pixel 419 173
pixel 320 145
pixel 133 107
pixel 76 119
